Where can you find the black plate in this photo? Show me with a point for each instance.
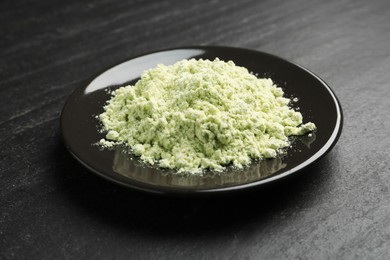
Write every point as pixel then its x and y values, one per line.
pixel 317 103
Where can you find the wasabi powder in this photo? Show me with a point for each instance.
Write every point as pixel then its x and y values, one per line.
pixel 198 114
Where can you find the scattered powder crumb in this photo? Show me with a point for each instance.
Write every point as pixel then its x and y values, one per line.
pixel 201 114
pixel 107 144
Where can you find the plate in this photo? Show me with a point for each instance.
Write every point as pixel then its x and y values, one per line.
pixel 316 102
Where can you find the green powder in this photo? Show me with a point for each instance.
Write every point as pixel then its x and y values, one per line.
pixel 199 114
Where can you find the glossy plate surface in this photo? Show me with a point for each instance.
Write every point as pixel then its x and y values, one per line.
pixel 316 102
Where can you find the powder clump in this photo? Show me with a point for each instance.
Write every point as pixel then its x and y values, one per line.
pixel 198 114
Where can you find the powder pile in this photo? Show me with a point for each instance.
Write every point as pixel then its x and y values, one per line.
pixel 199 114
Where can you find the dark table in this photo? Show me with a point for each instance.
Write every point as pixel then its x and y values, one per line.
pixel 53 208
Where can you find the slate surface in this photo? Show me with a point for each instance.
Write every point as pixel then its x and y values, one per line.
pixel 52 208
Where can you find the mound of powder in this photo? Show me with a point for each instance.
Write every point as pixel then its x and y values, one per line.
pixel 199 114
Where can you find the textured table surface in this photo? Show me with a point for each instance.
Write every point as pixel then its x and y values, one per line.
pixel 52 208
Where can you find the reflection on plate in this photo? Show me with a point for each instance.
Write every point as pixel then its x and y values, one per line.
pixel 317 103
pixel 130 167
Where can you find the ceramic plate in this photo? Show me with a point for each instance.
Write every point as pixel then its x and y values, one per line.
pixel 316 102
